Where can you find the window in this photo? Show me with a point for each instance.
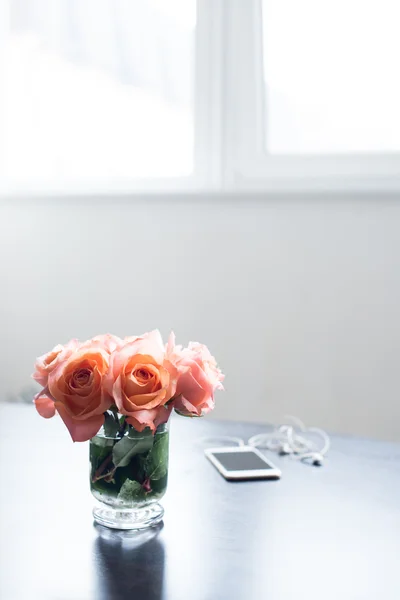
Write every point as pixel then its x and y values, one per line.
pixel 331 76
pixel 132 95
pixel 97 90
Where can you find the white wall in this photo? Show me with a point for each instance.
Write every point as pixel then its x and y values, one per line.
pixel 298 299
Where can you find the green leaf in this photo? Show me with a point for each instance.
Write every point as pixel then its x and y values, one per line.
pixel 125 449
pixel 102 442
pixel 111 427
pixel 157 460
pixel 131 491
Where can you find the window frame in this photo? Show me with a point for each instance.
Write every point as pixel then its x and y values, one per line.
pixel 250 167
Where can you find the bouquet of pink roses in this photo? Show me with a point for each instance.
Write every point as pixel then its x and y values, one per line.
pixel 119 394
pixel 137 377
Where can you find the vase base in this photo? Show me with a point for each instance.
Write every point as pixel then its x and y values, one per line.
pixel 139 518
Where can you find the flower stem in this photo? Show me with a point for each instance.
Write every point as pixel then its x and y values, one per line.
pixel 99 473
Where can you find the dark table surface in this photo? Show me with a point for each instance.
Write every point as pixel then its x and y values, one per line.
pixel 318 533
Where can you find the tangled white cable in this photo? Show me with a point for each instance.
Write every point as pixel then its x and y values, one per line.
pixel 286 440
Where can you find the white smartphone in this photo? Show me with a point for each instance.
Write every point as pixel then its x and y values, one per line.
pixel 242 462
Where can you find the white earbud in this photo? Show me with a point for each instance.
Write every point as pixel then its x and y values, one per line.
pixel 285 449
pixel 314 457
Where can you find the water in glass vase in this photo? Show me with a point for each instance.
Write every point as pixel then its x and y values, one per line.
pixel 128 475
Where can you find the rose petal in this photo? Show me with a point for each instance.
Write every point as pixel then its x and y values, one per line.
pixel 80 431
pixel 127 406
pixel 170 344
pixel 133 387
pixel 39 378
pixel 44 405
pixel 150 418
pixel 190 388
pixel 138 424
pixel 184 407
pixel 198 374
pixel 208 406
pixel 150 345
pixel 163 414
pixel 107 341
pixel 47 362
pixel 149 400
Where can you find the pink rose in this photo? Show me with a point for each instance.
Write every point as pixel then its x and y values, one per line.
pixel 141 381
pixel 198 378
pixel 76 389
pixel 47 363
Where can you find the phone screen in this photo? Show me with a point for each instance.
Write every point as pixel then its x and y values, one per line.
pixel 241 461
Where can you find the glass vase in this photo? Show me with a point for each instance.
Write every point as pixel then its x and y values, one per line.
pixel 128 476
